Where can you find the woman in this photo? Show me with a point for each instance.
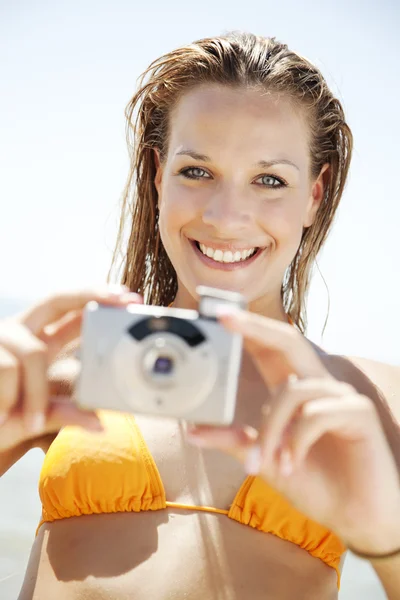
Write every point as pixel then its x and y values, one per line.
pixel 239 159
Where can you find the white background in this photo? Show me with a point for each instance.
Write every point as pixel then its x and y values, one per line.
pixel 69 69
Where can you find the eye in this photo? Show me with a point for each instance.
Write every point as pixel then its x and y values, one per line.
pixel 194 173
pixel 270 181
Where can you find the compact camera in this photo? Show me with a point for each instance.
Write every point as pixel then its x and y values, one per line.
pixel 169 362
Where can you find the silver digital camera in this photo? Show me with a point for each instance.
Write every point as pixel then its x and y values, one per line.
pixel 169 362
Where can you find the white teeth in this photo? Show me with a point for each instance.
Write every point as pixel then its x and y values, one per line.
pixel 227 256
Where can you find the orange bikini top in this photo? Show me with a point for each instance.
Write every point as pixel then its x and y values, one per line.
pixel 113 471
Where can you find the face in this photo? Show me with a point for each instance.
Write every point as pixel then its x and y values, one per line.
pixel 235 192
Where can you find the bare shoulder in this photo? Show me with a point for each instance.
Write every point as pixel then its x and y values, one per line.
pixel 369 377
pixel 379 381
pixel 385 377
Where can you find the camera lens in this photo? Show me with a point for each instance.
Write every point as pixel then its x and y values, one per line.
pixel 163 365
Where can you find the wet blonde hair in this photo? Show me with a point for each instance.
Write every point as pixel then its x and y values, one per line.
pixel 240 60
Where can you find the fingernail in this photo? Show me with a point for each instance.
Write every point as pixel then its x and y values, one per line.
pixel 226 310
pixel 132 297
pixel 3 418
pixel 115 289
pixel 94 425
pixel 286 463
pixel 191 429
pixel 252 463
pixel 35 422
pixel 196 440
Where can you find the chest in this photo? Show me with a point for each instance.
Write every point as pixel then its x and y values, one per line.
pixel 200 476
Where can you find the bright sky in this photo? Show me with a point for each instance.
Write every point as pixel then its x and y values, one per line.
pixel 69 69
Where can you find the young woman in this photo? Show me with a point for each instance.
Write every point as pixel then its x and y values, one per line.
pixel 240 155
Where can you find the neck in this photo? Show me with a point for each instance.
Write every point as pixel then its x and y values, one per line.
pixel 268 306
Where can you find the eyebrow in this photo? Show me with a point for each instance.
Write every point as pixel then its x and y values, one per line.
pixel 263 164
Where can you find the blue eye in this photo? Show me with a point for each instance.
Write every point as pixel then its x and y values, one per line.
pixel 271 181
pixel 194 173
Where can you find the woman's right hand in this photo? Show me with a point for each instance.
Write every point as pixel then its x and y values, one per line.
pixel 31 404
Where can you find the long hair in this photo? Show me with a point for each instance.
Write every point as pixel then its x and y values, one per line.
pixel 241 60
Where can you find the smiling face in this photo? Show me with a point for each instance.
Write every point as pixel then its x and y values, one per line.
pixel 235 193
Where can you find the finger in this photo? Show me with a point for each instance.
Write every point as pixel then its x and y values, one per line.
pixel 68 328
pixel 61 412
pixel 9 382
pixel 70 350
pixel 64 412
pixel 63 332
pixel 345 416
pixel 34 363
pixel 240 443
pixel 286 407
pixel 235 441
pixel 57 306
pixel 31 354
pixel 264 337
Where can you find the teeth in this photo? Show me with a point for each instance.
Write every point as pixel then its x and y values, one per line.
pixel 228 256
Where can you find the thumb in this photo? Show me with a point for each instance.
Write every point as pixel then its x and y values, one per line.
pixel 62 376
pixel 235 441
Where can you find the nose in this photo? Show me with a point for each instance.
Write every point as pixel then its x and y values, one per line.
pixel 228 212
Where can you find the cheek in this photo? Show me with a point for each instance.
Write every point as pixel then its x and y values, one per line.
pixel 176 208
pixel 283 221
pixel 180 203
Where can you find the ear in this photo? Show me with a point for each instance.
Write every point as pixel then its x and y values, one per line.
pixel 159 172
pixel 317 195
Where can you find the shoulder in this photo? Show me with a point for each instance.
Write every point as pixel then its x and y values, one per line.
pixel 385 377
pixel 369 377
pixel 379 381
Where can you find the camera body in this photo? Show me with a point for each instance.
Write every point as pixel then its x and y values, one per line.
pixel 160 361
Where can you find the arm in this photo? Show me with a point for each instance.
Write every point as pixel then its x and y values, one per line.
pixel 388 572
pixel 387 379
pixel 9 457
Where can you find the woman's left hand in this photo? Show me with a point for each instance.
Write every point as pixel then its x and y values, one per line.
pixel 321 443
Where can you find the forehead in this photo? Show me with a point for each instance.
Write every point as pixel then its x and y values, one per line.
pixel 221 119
